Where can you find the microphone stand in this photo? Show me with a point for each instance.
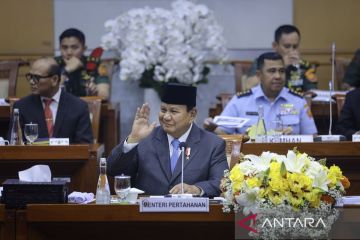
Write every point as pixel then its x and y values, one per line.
pixel 182 169
pixel 330 137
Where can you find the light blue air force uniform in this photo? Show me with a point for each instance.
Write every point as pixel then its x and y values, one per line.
pixel 291 106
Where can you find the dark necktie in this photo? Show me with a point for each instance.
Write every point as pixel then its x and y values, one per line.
pixel 175 154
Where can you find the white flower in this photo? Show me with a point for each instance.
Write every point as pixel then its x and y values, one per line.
pixel 259 164
pixel 294 163
pixel 248 200
pixel 321 181
pixel 314 169
pixel 172 43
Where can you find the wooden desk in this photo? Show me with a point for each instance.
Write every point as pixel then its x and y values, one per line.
pixel 320 111
pixel 77 162
pixel 109 125
pixel 119 222
pixel 84 222
pixel 7 223
pixel 346 155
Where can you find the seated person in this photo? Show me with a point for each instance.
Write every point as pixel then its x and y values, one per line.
pixel 352 74
pixel 300 74
pixel 57 113
pixel 151 155
pixel 276 100
pixel 81 75
pixel 349 122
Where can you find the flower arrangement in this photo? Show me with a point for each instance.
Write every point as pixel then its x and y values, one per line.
pixel 158 45
pixel 295 182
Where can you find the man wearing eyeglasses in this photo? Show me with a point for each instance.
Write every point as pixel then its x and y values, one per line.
pixel 58 114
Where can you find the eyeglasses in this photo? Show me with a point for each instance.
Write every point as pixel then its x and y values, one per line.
pixel 35 78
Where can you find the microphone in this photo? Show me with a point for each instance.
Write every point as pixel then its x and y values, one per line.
pixel 182 146
pixel 330 137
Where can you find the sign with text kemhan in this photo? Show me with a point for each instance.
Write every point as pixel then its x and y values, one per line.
pixel 290 139
pixel 174 204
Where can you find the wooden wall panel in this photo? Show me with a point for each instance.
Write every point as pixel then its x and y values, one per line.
pixel 26 27
pixel 322 22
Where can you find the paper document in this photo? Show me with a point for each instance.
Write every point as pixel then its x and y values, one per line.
pixel 230 122
pixel 3 102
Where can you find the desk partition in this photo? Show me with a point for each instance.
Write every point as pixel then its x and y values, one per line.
pixel 75 162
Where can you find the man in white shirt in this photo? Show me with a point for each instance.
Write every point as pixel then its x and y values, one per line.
pixel 151 155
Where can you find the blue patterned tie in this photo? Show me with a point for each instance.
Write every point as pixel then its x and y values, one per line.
pixel 175 154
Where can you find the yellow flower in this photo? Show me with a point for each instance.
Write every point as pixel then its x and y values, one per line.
pixel 278 184
pixel 237 178
pixel 275 168
pixel 275 197
pixel 299 182
pixel 296 200
pixel 313 197
pixel 253 182
pixel 334 175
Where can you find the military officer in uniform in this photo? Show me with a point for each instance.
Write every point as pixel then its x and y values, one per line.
pixel 82 75
pixel 299 74
pixel 276 100
pixel 352 75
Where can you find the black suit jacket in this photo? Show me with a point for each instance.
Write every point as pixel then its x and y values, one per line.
pixel 349 122
pixel 72 118
pixel 148 163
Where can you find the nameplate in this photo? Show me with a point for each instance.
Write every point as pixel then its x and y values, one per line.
pixel 290 139
pixel 356 138
pixel 330 138
pixel 174 204
pixel 59 142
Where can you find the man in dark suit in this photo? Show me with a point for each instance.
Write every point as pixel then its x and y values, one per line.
pixel 349 122
pixel 151 155
pixel 57 113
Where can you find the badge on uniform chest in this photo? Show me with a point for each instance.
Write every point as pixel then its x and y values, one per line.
pixel 288 109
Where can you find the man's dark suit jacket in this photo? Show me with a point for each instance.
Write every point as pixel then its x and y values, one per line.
pixel 148 163
pixel 349 122
pixel 72 118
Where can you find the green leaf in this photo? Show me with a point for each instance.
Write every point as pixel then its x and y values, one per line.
pixel 283 169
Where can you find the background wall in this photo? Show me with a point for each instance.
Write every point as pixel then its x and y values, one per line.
pixel 247 23
pixel 30 29
pixel 322 22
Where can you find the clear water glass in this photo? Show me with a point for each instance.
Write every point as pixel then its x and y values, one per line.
pixel 122 186
pixel 277 127
pixel 31 132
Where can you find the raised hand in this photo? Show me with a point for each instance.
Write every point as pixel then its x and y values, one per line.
pixel 72 64
pixel 141 127
pixel 292 58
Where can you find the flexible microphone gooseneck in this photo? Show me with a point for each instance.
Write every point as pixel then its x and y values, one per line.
pixel 330 137
pixel 182 146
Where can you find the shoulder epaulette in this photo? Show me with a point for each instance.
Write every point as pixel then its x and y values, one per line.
pixel 244 93
pixel 296 93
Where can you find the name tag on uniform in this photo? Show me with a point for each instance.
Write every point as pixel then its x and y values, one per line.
pixel 252 113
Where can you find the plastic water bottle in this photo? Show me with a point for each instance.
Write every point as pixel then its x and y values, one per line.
pixel 16 133
pixel 103 189
pixel 261 134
